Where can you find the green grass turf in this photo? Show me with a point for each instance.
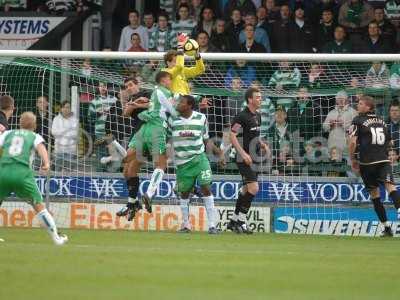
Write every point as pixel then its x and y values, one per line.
pixel 148 265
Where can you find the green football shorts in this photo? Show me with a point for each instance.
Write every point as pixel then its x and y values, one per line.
pixel 150 139
pixel 198 169
pixel 19 179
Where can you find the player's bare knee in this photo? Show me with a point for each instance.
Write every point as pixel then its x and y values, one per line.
pixel 252 188
pixel 390 187
pixel 184 195
pixel 374 193
pixel 205 190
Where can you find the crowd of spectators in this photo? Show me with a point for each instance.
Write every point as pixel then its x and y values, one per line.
pixel 292 110
pixel 324 26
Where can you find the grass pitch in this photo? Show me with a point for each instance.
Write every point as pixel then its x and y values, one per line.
pixel 148 265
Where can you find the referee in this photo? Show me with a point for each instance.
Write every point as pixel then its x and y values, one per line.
pixel 245 137
pixel 6 111
pixel 369 133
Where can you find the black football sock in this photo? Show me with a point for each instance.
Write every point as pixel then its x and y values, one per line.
pixel 395 195
pixel 133 188
pixel 239 204
pixel 380 210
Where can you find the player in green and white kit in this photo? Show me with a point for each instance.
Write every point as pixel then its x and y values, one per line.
pixel 151 138
pixel 16 175
pixel 189 133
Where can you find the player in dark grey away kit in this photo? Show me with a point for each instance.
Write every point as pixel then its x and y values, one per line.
pixel 369 134
pixel 249 149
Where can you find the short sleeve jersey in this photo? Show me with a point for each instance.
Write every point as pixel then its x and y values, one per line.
pixel 372 138
pixel 19 146
pixel 247 126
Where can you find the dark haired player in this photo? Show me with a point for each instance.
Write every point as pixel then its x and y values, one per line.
pixel 247 125
pixel 370 135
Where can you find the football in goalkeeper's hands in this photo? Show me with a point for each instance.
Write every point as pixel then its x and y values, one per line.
pixel 190 47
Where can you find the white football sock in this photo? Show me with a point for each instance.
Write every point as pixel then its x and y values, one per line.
pixel 386 224
pixel 132 200
pixel 156 178
pixel 210 209
pixel 242 217
pixel 184 203
pixel 121 150
pixel 48 221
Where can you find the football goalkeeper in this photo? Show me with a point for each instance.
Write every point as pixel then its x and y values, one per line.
pixel 175 61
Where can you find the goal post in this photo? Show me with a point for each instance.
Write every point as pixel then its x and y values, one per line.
pixel 308 101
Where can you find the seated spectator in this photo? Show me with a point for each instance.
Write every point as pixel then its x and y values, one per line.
pixel 374 42
pixel 206 23
pixel 326 29
pixel 250 45
pixel 220 38
pixel 184 24
pixel 393 124
pixel 244 71
pixel 262 19
pixel 233 29
pixel 196 7
pixel 301 33
pixel 286 77
pixel 338 121
pixel 280 31
pixel 245 6
pixel 394 158
pixel 162 38
pixel 395 76
pixel 392 11
pixel 278 134
pixel 305 116
pixel 316 77
pixel 98 111
pixel 65 132
pixel 149 71
pixel 169 7
pixel 377 76
pixel 354 16
pixel 149 23
pixel 204 43
pixel 273 11
pixel 337 164
pixel 339 44
pixel 387 29
pixel 133 27
pixel 260 35
pixel 136 44
pixel 42 117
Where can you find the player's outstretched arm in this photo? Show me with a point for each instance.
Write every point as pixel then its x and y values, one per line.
pixel 197 70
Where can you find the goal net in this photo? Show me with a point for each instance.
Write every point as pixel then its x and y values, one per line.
pixel 308 103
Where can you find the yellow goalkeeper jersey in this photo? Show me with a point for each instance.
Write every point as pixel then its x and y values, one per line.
pixel 181 74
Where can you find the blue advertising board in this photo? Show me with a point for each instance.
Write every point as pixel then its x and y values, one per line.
pixel 332 221
pixel 224 189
